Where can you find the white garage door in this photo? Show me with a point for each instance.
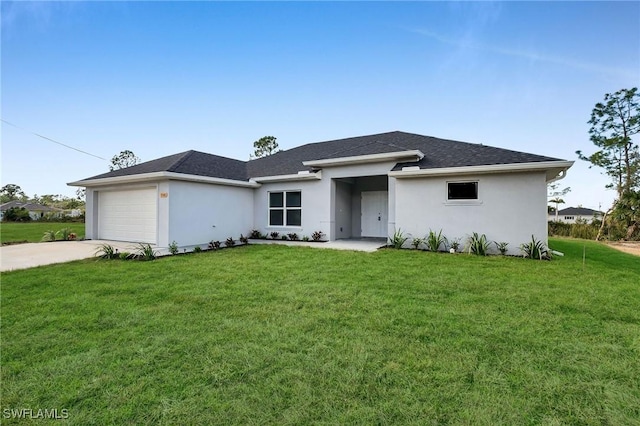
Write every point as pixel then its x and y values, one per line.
pixel 128 215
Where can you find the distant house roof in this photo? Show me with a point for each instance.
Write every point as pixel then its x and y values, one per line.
pixel 579 211
pixel 32 207
pixel 438 153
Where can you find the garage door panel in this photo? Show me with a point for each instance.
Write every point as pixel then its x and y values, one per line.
pixel 128 215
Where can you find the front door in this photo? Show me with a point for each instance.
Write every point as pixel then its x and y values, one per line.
pixel 375 213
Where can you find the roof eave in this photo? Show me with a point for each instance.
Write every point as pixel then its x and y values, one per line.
pixel 154 176
pixel 554 170
pixel 288 178
pixel 413 155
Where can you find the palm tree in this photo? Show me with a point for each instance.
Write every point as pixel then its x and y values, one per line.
pixel 557 201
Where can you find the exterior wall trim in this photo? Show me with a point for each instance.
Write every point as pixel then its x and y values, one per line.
pixel 362 159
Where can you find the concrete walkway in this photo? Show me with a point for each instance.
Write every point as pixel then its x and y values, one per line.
pixel 22 256
pixel 364 244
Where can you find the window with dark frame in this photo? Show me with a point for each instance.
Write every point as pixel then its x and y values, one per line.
pixel 462 190
pixel 285 208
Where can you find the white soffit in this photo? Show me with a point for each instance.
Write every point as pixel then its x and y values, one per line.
pixel 553 169
pixel 155 176
pixel 413 155
pixel 301 175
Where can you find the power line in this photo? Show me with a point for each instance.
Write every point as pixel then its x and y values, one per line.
pixel 51 140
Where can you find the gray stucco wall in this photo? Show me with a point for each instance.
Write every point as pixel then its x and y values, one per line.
pixel 511 207
pixel 198 213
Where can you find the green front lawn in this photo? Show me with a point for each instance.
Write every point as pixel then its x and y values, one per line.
pixel 32 232
pixel 293 335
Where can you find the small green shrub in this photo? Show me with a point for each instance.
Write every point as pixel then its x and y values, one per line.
pixel 317 236
pixel 243 239
pixel 214 245
pixel 275 235
pixel 173 248
pixel 455 244
pixel 197 249
pixel 146 252
pixel 434 241
pixel 230 242
pixel 502 247
pixel 106 251
pixel 293 236
pixel 125 255
pixel 478 244
pixel 535 249
pixel 398 239
pixel 50 235
pixel 417 242
pixel 255 234
pixel 65 233
pixel 305 238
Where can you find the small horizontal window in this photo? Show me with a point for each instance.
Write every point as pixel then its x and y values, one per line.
pixel 462 190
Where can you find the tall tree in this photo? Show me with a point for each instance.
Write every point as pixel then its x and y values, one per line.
pixel 613 124
pixel 126 158
pixel 264 146
pixel 11 192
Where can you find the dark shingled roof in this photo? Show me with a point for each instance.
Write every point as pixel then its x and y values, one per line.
pixel 189 162
pixel 438 153
pixel 579 211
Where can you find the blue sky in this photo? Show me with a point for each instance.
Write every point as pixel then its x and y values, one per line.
pixel 159 78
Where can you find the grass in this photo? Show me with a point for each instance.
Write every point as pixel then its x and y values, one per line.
pixel 32 232
pixel 293 335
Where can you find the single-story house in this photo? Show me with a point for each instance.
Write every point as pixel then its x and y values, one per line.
pixel 36 211
pixel 575 214
pixel 366 186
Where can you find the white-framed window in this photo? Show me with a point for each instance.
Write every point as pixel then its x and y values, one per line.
pixel 285 208
pixel 460 191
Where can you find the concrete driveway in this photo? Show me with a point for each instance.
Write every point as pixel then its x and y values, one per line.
pixel 22 256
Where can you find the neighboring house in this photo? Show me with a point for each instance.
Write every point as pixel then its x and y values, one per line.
pixel 574 214
pixel 36 211
pixel 367 186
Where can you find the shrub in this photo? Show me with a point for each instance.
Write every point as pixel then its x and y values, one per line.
pixel 398 239
pixel 50 235
pixel 417 242
pixel 16 214
pixel 434 241
pixel 64 233
pixel 173 248
pixel 243 239
pixel 478 244
pixel 125 255
pixel 106 251
pixel 535 250
pixel 198 249
pixel 146 252
pixel 214 245
pixel 274 235
pixel 284 238
pixel 317 236
pixel 502 247
pixel 255 234
pixel 293 236
pixel 455 244
pixel 230 242
pixel 305 238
